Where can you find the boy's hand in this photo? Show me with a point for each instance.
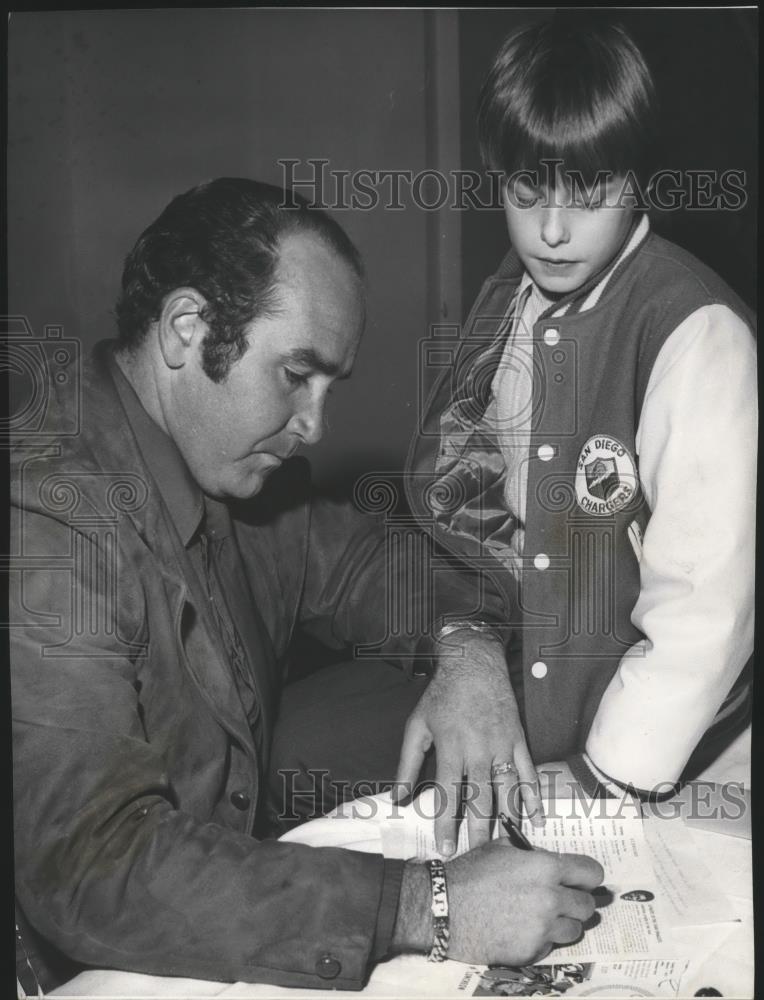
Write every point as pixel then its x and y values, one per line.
pixel 506 906
pixel 469 712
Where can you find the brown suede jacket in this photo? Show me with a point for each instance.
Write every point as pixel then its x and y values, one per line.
pixel 136 774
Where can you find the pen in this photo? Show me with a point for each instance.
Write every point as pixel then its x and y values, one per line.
pixel 515 834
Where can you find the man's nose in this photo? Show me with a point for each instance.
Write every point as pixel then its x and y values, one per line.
pixel 554 226
pixel 308 422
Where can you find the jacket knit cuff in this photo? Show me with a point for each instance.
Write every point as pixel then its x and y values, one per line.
pixel 587 779
pixel 611 786
pixel 388 910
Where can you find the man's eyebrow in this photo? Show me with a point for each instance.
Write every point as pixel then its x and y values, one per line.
pixel 310 358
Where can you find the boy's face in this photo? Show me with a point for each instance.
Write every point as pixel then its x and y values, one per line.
pixel 560 241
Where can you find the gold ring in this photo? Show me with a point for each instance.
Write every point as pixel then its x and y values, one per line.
pixel 504 768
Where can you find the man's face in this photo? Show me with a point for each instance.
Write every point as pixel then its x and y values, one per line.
pixel 233 434
pixel 561 242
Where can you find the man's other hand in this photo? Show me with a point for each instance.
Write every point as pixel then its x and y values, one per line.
pixel 469 713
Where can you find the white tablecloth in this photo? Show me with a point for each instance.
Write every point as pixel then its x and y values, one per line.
pixel 723 953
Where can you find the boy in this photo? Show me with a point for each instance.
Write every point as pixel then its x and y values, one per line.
pixel 593 443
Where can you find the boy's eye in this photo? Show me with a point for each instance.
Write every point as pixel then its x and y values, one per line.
pixel 596 200
pixel 588 205
pixel 523 198
pixel 521 194
pixel 588 199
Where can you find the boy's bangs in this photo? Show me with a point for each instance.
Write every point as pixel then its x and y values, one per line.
pixel 585 152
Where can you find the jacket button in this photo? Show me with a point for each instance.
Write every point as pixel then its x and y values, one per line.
pixel 551 336
pixel 240 800
pixel 328 967
pixel 539 670
pixel 541 561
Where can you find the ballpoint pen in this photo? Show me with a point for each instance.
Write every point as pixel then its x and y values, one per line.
pixel 515 834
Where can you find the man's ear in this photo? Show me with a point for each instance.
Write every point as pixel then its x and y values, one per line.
pixel 181 328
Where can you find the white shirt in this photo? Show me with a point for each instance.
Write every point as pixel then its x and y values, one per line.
pixel 696 442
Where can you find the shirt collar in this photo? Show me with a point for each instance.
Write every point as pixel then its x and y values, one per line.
pixel 182 495
pixel 637 236
pixel 540 300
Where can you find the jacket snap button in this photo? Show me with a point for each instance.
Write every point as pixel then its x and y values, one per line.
pixel 328 967
pixel 423 669
pixel 551 336
pixel 541 561
pixel 545 452
pixel 240 800
pixel 539 670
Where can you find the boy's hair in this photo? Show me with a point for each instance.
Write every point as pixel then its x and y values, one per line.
pixel 221 238
pixel 573 88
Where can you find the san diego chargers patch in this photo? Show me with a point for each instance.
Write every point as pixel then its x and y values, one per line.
pixel 606 476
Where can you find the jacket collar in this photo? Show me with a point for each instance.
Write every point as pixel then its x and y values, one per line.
pixel 108 443
pixel 181 494
pixel 587 295
pixel 114 444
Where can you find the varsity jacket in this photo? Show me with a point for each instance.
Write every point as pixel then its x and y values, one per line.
pixel 586 510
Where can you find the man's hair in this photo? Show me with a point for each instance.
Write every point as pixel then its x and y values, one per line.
pixel 573 88
pixel 222 239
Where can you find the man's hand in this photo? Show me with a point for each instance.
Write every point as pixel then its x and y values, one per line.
pixel 506 906
pixel 469 712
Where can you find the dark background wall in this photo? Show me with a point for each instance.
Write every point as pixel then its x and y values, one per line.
pixel 112 113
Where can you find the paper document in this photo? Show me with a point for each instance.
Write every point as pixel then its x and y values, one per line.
pixel 657 891
pixel 609 830
pixel 688 886
pixel 376 825
pixel 631 920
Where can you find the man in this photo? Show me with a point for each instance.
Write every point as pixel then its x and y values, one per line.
pixel 146 680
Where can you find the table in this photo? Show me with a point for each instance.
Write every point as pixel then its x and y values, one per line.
pixel 726 950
